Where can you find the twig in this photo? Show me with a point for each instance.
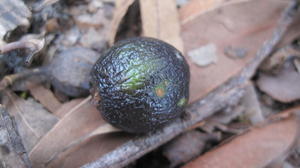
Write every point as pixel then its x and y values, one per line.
pixel 32 42
pixel 14 142
pixel 228 93
pixel 10 79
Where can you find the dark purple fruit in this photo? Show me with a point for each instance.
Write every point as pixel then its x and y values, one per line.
pixel 143 84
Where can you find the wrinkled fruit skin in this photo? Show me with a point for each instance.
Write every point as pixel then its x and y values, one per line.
pixel 143 84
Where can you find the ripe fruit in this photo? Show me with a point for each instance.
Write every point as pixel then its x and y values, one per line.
pixel 143 84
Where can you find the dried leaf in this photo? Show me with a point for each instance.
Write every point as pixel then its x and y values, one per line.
pixel 186 147
pixel 196 7
pixel 251 104
pixel 160 20
pixel 235 25
pixel 258 147
pixel 276 61
pixel 32 119
pixel 66 107
pixel 91 149
pixel 284 87
pixel 45 97
pixel 80 123
pixel 120 11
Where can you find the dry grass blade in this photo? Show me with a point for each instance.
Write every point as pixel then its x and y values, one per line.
pixel 258 147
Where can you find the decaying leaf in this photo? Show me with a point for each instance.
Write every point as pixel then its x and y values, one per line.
pixel 235 25
pixel 160 20
pixel 258 147
pixel 284 86
pixel 32 119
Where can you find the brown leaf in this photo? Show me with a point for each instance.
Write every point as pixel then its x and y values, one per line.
pixel 66 107
pixel 160 20
pixel 45 97
pixel 251 104
pixel 284 87
pixel 90 150
pixel 79 121
pixel 186 147
pixel 234 25
pixel 258 147
pixel 32 119
pixel 120 11
pixel 196 7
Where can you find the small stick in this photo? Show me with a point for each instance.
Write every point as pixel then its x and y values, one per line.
pixel 32 42
pixel 10 79
pixel 13 143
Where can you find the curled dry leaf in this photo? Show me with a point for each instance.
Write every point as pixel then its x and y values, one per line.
pixel 260 146
pixel 276 61
pixel 284 87
pixel 120 11
pixel 160 20
pixel 32 119
pixel 233 24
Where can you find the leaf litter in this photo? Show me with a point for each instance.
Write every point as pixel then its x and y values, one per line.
pixel 74 133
